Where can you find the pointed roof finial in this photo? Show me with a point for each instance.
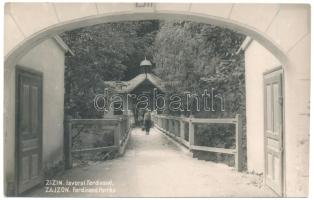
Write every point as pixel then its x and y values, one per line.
pixel 145 62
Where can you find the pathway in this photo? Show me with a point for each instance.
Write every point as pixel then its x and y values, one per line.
pixel 154 166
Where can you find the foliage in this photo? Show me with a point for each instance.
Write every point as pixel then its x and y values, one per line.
pixel 188 56
pixel 104 52
pixel 192 57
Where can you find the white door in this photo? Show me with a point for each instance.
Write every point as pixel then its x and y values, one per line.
pixel 273 126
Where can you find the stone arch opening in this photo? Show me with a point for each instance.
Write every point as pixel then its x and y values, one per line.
pixel 31 41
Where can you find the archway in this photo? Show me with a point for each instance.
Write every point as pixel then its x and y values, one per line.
pixel 28 43
pixel 287 50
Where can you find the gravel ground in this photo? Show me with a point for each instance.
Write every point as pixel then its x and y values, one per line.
pixel 154 166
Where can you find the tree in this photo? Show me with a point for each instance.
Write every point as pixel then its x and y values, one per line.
pixel 193 56
pixel 105 52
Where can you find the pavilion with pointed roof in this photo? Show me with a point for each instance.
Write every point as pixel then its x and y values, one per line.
pixel 143 83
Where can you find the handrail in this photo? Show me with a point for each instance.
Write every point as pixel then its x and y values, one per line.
pixel 91 121
pixel 165 123
pixel 94 149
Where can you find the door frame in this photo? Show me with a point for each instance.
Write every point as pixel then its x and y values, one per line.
pixel 18 71
pixel 279 69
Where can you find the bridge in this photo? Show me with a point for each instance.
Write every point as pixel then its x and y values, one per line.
pixel 160 164
pixel 180 129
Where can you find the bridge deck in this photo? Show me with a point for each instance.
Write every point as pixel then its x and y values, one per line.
pixel 154 166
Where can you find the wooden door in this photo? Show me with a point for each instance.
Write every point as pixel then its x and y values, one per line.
pixel 273 130
pixel 29 129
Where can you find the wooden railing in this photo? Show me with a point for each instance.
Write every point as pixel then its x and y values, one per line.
pixel 182 129
pixel 120 126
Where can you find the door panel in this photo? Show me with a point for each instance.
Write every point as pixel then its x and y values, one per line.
pixel 273 130
pixel 29 129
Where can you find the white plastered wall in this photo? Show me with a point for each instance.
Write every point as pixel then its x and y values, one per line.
pixel 257 61
pixel 48 58
pixel 296 108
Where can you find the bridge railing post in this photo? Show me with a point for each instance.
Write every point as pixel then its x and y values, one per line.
pixel 126 121
pixel 167 125
pixel 157 121
pixel 191 132
pixel 182 128
pixel 67 143
pixel 174 130
pixel 164 124
pixel 239 147
pixel 177 128
pixel 125 125
pixel 170 126
pixel 160 123
pixel 117 134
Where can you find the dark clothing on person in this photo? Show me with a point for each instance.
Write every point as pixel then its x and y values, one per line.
pixel 147 122
pixel 147 116
pixel 147 125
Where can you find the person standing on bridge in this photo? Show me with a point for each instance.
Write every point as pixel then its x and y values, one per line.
pixel 147 121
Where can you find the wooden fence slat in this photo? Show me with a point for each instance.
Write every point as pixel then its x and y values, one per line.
pixel 94 121
pixel 67 144
pixel 95 149
pixel 181 129
pixel 214 149
pixel 117 135
pixel 214 121
pixel 239 148
pixel 191 132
